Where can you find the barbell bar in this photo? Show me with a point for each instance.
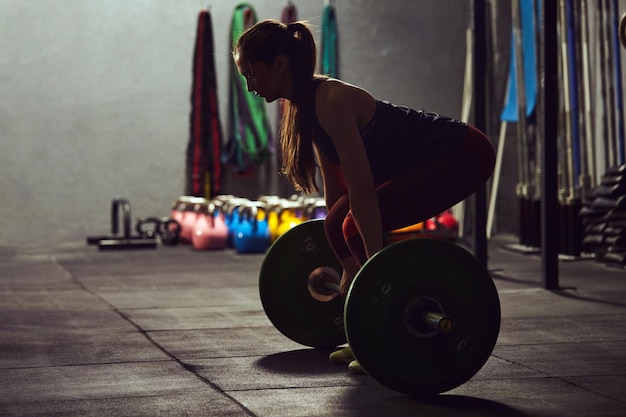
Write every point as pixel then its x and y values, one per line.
pixel 323 285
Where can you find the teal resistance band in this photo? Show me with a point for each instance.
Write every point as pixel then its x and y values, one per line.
pixel 250 134
pixel 330 60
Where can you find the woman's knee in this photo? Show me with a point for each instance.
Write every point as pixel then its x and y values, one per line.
pixel 353 239
pixel 333 227
pixel 348 228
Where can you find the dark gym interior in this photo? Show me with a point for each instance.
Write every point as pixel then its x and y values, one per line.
pixel 95 117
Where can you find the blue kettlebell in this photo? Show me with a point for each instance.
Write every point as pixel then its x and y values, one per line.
pixel 231 211
pixel 252 235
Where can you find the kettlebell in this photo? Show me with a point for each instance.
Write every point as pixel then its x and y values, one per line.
pixel 231 210
pixel 252 235
pixel 169 231
pixel 316 209
pixel 189 218
pixel 178 207
pixel 151 232
pixel 447 220
pixel 288 216
pixel 272 210
pixel 209 233
pixel 218 215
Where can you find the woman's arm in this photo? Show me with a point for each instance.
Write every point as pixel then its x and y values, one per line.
pixel 339 108
pixel 334 182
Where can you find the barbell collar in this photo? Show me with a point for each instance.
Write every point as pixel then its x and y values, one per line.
pixel 440 322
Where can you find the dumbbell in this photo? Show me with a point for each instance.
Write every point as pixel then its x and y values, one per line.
pixel 422 316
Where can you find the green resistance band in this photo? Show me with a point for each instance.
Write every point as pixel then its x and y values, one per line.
pixel 330 64
pixel 248 118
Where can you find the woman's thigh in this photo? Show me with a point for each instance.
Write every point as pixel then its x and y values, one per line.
pixel 434 186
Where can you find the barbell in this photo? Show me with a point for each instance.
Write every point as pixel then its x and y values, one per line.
pixel 422 316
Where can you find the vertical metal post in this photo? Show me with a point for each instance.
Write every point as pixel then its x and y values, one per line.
pixel 549 116
pixel 480 121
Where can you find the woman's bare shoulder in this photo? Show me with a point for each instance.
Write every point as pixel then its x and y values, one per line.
pixel 334 97
pixel 333 89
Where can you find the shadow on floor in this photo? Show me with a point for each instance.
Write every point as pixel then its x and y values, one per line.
pixel 466 406
pixel 314 361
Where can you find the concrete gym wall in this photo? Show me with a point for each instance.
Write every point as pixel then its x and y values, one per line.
pixel 94 97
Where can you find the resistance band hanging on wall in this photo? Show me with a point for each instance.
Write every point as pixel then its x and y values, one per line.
pixel 330 57
pixel 249 133
pixel 203 169
pixel 289 14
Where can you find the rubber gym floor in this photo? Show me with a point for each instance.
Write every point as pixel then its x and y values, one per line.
pixel 176 332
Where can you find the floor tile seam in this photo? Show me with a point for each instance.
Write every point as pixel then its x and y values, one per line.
pixel 214 386
pixel 199 329
pixel 160 347
pixel 209 383
pixel 122 316
pixel 589 390
pixel 298 387
pixel 188 361
pixel 38 288
pixel 185 366
pixel 596 375
pixel 560 315
pixel 87 364
pixel 67 282
pixel 98 398
pixel 582 293
pixel 190 307
pixel 501 379
pixel 203 329
pixel 554 375
pixel 521 365
pixel 547 375
pixel 574 343
pixel 113 329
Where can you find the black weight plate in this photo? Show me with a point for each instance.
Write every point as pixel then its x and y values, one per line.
pixel 422 271
pixel 283 287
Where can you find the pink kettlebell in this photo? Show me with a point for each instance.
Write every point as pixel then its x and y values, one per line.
pixel 178 208
pixel 189 218
pixel 210 231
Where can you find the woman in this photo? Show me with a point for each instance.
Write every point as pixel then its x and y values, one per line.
pixel 383 166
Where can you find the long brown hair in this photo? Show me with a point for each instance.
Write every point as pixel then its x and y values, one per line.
pixel 263 42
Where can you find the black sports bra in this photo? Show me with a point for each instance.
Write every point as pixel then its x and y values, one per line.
pixel 397 137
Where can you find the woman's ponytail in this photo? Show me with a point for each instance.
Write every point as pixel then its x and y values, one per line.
pixel 306 50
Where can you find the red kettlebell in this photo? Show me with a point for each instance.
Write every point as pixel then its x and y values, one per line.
pixel 447 220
